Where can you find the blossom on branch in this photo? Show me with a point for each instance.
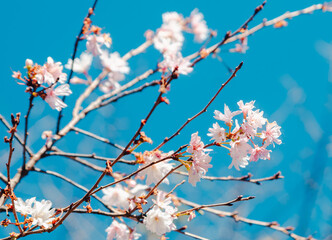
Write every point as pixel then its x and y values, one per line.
pixel 156 171
pixel 96 41
pixel 200 160
pixel 82 64
pixel 174 61
pixel 52 96
pixel 41 213
pixel 116 196
pixel 198 25
pixel 245 133
pixel 42 81
pixel 120 231
pixel 227 116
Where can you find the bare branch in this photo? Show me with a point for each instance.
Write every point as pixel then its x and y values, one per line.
pixel 18 138
pixel 246 178
pixel 237 218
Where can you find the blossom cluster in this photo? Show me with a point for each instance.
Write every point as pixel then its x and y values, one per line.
pixel 169 39
pixel 42 81
pixel 243 137
pixel 40 213
pixel 124 197
pixel 200 159
pixel 159 219
pixel 97 45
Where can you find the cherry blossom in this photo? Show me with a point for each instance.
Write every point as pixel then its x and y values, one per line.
pixel 42 213
pixel 24 208
pixel 50 73
pixel 248 129
pixel 28 63
pixel 245 107
pixel 217 133
pixel 173 61
pixel 244 138
pixel 199 167
pixel 169 37
pixel 256 119
pixel 272 133
pixel 113 62
pixel 227 116
pixel 95 42
pixel 164 202
pixel 259 153
pixel 239 153
pixel 116 196
pixel 195 145
pixel 159 222
pixel 53 72
pixel 82 64
pixel 120 231
pixel 157 171
pixel 198 25
pixel 52 96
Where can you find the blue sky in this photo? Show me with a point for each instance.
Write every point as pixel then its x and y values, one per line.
pixel 283 71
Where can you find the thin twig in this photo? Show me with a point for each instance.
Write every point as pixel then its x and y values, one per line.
pixel 95 136
pixel 237 218
pixel 246 178
pixel 79 160
pixel 129 92
pixel 92 156
pixel 18 138
pixel 190 234
pixel 26 130
pixel 229 203
pixel 78 39
pixel 8 192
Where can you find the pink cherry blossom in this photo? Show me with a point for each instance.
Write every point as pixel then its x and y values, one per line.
pixel 52 96
pixel 173 61
pixel 245 107
pixel 198 25
pixel 120 231
pixel 199 167
pixel 164 202
pixel 256 119
pixel 116 196
pixel 195 145
pixel 217 133
pixel 239 153
pixel 272 133
pixel 259 153
pixel 159 222
pixel 227 116
pixel 113 62
pixel 53 72
pixel 95 42
pixel 169 37
pixel 157 171
pixel 82 64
